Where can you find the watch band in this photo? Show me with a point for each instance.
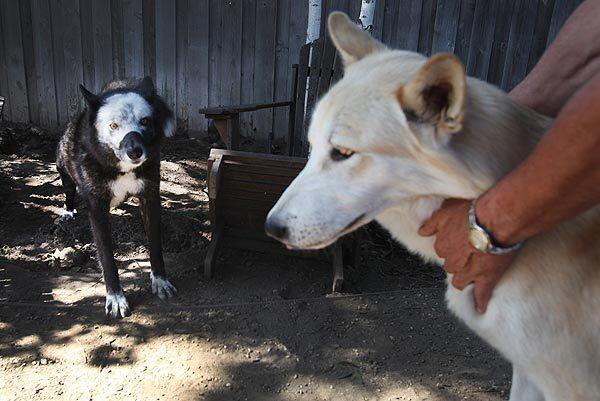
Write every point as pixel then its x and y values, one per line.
pixel 492 247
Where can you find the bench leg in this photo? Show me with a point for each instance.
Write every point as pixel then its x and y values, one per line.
pixel 338 267
pixel 233 132
pixel 211 255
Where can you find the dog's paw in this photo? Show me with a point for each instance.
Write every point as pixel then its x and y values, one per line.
pixel 67 215
pixel 162 288
pixel 116 305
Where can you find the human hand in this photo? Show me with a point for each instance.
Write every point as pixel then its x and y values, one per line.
pixel 468 265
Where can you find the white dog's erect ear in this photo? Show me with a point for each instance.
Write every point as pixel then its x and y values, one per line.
pixel 437 93
pixel 350 40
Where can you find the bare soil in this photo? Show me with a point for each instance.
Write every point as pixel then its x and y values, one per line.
pixel 265 328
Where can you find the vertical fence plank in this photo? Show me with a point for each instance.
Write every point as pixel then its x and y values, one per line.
pixel 103 64
pixel 519 43
pixel 297 30
pixel 182 112
pixel 231 52
pixel 58 43
pixel 282 68
pixel 264 63
pixel 87 42
pixel 29 59
pixel 390 22
pixel 408 25
pixel 540 32
pixel 4 77
pixel 445 27
pixel 428 12
pixel 15 65
pixel 215 40
pixel 463 32
pixel 42 44
pixel 482 35
pixel 248 47
pixel 149 22
pixel 73 56
pixel 378 17
pixel 117 28
pixel 197 64
pixel 166 51
pixel 133 38
pixel 500 45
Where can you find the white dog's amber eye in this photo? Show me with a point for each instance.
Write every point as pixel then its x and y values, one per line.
pixel 341 153
pixel 144 121
pixel 113 126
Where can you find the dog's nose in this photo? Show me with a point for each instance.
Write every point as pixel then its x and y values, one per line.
pixel 276 229
pixel 135 152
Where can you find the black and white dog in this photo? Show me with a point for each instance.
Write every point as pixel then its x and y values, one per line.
pixel 110 151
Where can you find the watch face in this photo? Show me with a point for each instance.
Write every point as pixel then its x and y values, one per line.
pixel 479 240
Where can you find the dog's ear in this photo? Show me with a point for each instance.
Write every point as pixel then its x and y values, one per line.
pixel 146 87
pixel 437 93
pixel 350 40
pixel 91 100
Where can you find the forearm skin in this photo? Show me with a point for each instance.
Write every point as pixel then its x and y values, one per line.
pixel 571 61
pixel 560 179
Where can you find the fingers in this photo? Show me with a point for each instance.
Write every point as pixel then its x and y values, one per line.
pixel 429 228
pixel 460 282
pixel 483 293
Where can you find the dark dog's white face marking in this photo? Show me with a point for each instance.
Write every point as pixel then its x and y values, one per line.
pixel 119 115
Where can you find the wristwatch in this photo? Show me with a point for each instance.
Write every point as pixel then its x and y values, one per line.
pixel 483 240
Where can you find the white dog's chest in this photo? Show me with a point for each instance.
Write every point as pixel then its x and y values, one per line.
pixel 124 186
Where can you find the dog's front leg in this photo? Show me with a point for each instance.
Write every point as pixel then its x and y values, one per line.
pixel 150 209
pixel 116 303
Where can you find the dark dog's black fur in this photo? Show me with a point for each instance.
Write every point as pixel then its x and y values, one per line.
pixel 90 168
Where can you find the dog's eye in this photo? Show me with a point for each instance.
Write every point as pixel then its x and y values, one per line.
pixel 338 154
pixel 144 121
pixel 113 126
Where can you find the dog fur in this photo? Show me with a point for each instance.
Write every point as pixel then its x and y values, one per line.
pixel 111 151
pixel 421 132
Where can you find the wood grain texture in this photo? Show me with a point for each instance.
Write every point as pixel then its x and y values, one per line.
pixel 197 65
pixel 183 78
pixel 42 44
pixel 133 38
pixel 166 51
pixel 445 26
pixel 216 52
pixel 247 79
pixel 264 64
pixel 282 69
pixel 16 91
pixel 482 38
pixel 519 43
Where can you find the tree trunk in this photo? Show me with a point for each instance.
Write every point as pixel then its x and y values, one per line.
pixel 367 11
pixel 314 20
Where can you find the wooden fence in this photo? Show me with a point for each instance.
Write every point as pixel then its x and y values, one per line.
pixel 216 52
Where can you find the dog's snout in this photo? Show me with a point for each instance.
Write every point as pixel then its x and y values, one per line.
pixel 135 152
pixel 276 229
pixel 133 146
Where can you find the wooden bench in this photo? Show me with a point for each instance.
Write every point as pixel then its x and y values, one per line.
pixel 318 67
pixel 242 188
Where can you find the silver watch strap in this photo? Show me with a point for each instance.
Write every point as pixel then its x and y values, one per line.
pixel 493 248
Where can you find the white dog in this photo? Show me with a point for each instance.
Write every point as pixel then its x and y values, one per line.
pixel 400 133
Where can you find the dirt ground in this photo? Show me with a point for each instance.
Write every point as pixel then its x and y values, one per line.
pixel 264 328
